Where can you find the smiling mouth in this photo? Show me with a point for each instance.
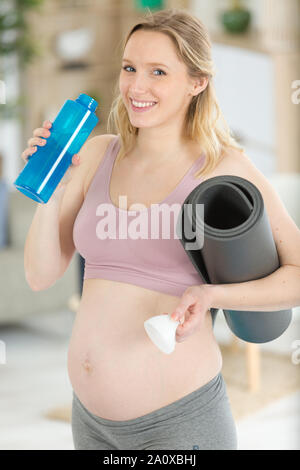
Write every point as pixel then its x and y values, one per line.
pixel 142 104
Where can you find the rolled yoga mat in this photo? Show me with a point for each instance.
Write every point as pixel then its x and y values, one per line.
pixel 237 246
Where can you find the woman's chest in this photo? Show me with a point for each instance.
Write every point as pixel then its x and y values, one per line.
pixel 132 186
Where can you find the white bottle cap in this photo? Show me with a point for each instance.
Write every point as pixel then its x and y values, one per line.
pixel 161 329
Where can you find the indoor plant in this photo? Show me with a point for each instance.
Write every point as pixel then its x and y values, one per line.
pixel 237 18
pixel 15 39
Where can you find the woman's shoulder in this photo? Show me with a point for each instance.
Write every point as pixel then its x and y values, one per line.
pixel 233 158
pixel 232 161
pixel 98 146
pixel 103 139
pixel 237 162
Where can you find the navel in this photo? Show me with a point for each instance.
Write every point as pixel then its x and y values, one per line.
pixel 87 365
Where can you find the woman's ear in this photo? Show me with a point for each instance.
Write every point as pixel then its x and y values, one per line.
pixel 199 85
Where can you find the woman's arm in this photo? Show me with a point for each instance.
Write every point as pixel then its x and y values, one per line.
pixel 281 289
pixel 277 291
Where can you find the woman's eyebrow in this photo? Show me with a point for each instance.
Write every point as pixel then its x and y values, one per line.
pixel 149 63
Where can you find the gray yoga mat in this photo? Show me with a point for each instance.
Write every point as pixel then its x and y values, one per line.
pixel 238 246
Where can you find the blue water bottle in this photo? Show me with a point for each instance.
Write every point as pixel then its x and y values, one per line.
pixel 47 166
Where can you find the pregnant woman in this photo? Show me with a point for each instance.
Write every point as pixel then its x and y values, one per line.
pixel 170 136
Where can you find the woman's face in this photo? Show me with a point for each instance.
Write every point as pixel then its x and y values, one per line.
pixel 143 80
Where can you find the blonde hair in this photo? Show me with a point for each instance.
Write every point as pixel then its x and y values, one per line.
pixel 204 122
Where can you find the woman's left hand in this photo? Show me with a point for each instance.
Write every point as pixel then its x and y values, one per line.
pixel 192 307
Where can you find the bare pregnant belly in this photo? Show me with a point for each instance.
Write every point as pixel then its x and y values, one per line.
pixel 115 369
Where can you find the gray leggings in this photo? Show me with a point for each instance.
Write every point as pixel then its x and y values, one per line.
pixel 200 420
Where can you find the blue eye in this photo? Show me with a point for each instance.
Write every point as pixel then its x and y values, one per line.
pixel 157 70
pixel 126 67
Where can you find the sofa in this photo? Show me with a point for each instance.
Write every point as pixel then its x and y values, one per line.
pixel 17 299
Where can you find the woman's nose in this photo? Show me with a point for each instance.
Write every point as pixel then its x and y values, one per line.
pixel 139 84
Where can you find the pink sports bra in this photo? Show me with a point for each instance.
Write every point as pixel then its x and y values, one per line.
pixel 136 247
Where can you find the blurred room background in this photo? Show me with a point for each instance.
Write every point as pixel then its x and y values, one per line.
pixel 52 50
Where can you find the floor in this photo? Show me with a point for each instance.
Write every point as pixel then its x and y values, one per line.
pixel 33 370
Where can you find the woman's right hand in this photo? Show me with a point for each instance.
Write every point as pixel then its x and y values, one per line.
pixel 39 139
